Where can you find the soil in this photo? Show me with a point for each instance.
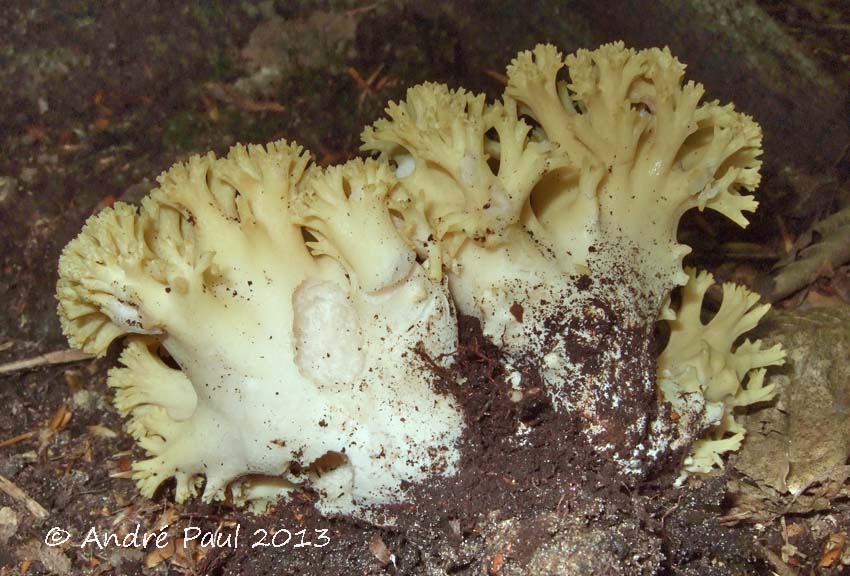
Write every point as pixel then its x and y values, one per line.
pixel 97 98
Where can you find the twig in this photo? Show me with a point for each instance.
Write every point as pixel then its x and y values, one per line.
pixel 57 357
pixel 749 251
pixel 787 239
pixel 20 496
pixel 362 9
pixel 372 84
pixel 497 76
pixel 781 567
pixel 432 364
pixel 19 438
pixel 230 95
pixel 733 519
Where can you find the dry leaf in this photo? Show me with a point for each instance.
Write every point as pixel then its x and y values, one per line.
pixel 832 551
pixel 379 550
pixel 60 419
pixel 499 558
pixel 52 558
pixel 158 555
pixel 168 516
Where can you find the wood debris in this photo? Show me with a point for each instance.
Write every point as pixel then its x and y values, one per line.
pixel 12 491
pixel 499 559
pixel 819 251
pixel 50 358
pixel 230 95
pixel 60 419
pixel 19 438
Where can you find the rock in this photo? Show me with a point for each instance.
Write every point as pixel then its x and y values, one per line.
pixel 280 48
pixel 8 185
pixel 28 174
pixel 804 440
pixel 8 524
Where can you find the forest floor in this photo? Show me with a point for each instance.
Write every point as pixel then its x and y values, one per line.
pixel 96 99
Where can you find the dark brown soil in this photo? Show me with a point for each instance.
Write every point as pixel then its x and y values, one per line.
pixel 97 98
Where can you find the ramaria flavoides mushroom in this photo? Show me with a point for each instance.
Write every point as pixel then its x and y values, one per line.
pixel 272 310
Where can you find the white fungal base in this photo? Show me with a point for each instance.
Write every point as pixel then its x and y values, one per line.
pixel 353 434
